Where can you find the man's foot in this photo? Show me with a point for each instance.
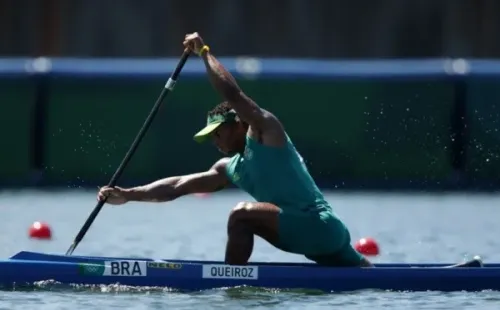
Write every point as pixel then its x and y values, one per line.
pixel 474 262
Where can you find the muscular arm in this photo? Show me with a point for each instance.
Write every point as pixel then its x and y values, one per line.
pixel 171 188
pixel 226 85
pixel 260 120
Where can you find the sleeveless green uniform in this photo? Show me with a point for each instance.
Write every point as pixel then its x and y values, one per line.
pixel 307 224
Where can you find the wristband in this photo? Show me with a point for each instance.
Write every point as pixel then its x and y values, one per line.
pixel 205 48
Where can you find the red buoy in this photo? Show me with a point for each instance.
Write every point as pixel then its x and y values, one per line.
pixel 367 246
pixel 40 230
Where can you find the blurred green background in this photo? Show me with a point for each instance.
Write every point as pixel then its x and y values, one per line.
pixel 365 133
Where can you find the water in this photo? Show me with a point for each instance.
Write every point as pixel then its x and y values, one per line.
pixel 419 228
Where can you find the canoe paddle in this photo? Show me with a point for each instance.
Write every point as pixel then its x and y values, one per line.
pixel 169 86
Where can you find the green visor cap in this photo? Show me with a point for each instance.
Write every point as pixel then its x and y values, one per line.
pixel 213 122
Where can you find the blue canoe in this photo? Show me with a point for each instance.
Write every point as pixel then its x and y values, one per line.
pixel 26 268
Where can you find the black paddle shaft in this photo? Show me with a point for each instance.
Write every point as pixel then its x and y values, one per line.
pixel 147 123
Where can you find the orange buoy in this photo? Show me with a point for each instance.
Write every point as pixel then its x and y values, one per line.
pixel 367 246
pixel 40 230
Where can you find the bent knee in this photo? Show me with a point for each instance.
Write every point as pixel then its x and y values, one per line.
pixel 238 216
pixel 240 211
pixel 254 214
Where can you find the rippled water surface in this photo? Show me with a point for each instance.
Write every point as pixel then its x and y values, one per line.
pixel 409 228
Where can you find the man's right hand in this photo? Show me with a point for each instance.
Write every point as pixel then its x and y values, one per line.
pixel 115 195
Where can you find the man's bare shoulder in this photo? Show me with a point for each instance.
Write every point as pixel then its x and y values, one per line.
pixel 272 132
pixel 220 165
pixel 271 120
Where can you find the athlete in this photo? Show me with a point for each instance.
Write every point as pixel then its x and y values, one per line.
pixel 290 211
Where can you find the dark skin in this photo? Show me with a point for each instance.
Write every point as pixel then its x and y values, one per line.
pixel 247 218
pixel 229 138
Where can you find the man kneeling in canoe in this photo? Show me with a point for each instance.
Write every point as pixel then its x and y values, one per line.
pixel 290 213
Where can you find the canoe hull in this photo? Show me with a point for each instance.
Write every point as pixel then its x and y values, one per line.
pixel 28 267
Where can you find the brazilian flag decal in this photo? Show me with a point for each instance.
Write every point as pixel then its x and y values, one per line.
pixel 91 269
